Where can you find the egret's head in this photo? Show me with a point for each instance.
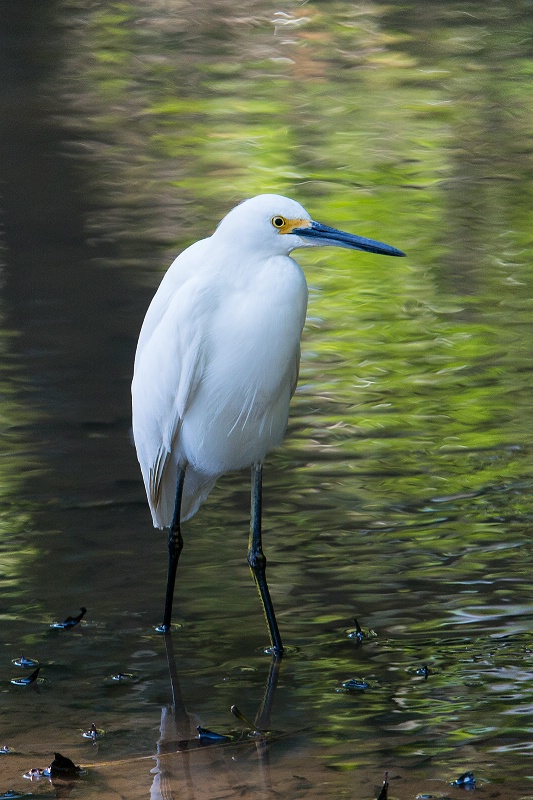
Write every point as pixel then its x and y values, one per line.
pixel 264 224
pixel 270 224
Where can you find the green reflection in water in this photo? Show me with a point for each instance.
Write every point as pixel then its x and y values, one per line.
pixel 403 492
pixel 223 116
pixel 18 551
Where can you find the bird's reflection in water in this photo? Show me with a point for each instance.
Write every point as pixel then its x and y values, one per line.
pixel 191 766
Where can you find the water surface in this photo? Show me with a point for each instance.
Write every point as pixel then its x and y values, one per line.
pixel 402 494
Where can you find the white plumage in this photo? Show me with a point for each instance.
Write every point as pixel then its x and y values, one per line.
pixel 218 356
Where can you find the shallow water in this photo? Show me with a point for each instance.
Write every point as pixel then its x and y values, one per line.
pixel 402 494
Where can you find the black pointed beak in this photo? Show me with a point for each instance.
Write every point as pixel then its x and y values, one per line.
pixel 319 234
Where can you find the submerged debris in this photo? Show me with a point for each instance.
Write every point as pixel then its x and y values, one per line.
pixel 250 725
pixel 70 622
pixel 63 768
pixel 35 774
pixel 357 633
pixel 354 685
pixel 383 795
pixel 25 662
pixel 205 735
pixel 93 733
pixel 424 671
pixel 466 780
pixel 26 681
pixel 124 677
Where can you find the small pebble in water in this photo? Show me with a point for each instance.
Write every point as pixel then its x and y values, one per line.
pixel 25 662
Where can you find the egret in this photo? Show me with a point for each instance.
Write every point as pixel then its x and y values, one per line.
pixel 216 365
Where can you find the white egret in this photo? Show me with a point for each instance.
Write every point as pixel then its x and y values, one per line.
pixel 217 363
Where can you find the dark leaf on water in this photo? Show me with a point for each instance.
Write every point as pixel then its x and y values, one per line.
pixel 210 736
pixel 26 681
pixel 70 622
pixel 63 767
pixel 383 795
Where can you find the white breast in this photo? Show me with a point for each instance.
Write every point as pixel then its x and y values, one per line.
pixel 240 408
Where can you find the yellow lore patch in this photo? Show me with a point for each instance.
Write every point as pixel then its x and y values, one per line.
pixel 284 225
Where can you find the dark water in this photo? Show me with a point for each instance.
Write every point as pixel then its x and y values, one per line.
pixel 402 495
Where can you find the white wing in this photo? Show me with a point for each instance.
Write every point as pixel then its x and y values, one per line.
pixel 179 272
pixel 169 363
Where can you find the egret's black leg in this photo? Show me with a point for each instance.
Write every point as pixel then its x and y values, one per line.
pixel 175 546
pixel 257 560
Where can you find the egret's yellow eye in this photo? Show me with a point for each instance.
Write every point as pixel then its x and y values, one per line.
pixel 278 222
